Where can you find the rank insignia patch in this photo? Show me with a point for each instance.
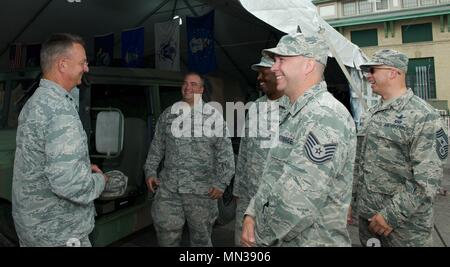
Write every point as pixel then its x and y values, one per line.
pixel 316 152
pixel 441 144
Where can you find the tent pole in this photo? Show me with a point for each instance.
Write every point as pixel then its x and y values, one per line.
pixel 173 10
pixel 156 9
pixel 190 8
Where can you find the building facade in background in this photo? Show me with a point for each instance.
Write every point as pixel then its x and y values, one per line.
pixel 418 28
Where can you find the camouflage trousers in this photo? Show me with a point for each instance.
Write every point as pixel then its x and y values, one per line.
pixel 400 237
pixel 241 207
pixel 171 210
pixel 83 242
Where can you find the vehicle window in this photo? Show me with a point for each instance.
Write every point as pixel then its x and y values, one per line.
pixel 18 99
pixel 2 96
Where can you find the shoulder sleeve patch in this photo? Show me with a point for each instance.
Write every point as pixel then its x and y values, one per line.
pixel 441 144
pixel 316 152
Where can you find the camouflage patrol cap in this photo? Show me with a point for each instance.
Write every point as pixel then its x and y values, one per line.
pixel 266 62
pixel 116 184
pixel 301 45
pixel 388 57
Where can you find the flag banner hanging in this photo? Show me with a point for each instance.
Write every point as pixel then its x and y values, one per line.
pixel 167 45
pixel 33 56
pixel 104 49
pixel 15 56
pixel 133 48
pixel 200 36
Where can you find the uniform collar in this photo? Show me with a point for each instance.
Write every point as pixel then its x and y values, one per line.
pixel 283 101
pixel 57 89
pixel 398 104
pixel 309 95
pixel 201 107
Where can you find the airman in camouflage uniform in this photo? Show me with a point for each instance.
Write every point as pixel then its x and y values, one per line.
pixel 195 171
pixel 404 147
pixel 252 152
pixel 53 184
pixel 306 184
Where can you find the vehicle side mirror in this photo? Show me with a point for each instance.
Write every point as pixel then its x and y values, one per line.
pixel 109 131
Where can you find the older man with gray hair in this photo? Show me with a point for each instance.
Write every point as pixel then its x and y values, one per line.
pixel 54 184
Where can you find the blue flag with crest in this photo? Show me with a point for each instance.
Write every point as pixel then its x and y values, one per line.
pixel 133 48
pixel 200 37
pixel 104 49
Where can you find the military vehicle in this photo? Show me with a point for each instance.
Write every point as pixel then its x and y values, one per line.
pixel 133 100
pixel 130 101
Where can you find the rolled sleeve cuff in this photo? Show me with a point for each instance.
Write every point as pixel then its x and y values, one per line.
pixel 220 186
pixel 101 180
pixel 250 211
pixel 150 173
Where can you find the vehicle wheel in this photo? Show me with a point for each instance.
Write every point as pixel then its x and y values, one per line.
pixel 8 236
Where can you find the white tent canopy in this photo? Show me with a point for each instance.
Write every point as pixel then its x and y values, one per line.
pixel 239 36
pixel 288 15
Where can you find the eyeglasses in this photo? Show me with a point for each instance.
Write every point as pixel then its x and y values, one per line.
pixel 371 70
pixel 82 63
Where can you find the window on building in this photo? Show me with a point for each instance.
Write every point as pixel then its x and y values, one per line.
pixel 427 2
pixel 444 1
pixel 349 8
pixel 365 38
pixel 417 33
pixel 410 3
pixel 365 7
pixel 420 77
pixel 2 99
pixel 382 5
pixel 327 10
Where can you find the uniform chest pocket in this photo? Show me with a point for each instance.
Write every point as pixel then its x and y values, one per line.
pixel 284 147
pixel 194 145
pixel 182 141
pixel 201 142
pixel 392 144
pixel 390 149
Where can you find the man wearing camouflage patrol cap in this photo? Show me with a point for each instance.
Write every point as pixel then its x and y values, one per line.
pixel 401 160
pixel 306 184
pixel 252 150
